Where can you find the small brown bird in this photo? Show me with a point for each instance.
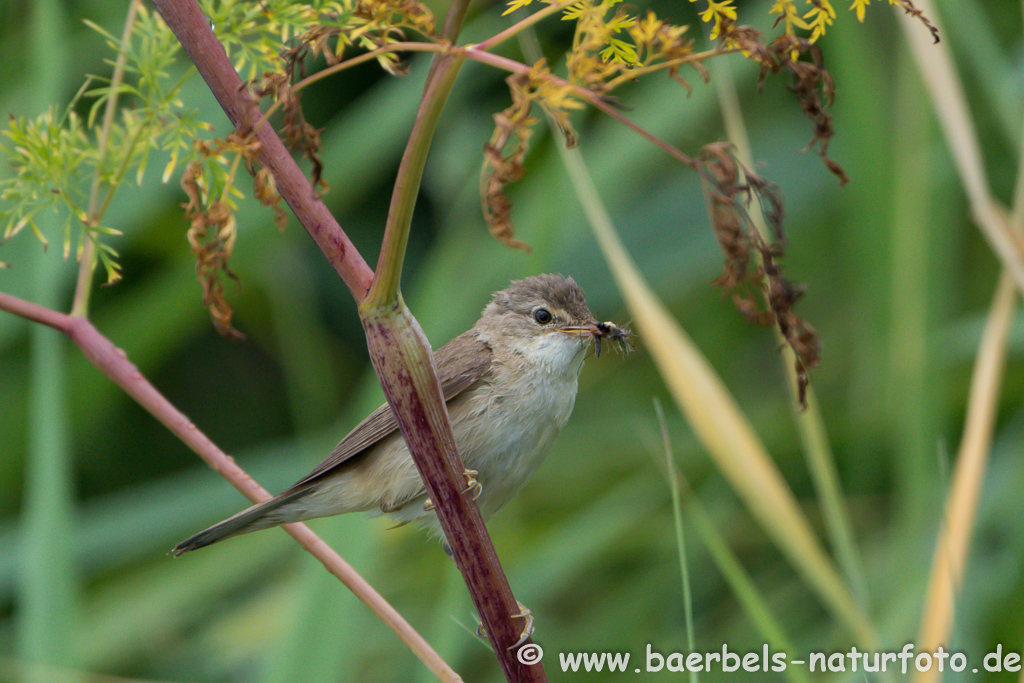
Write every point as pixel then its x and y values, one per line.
pixel 510 385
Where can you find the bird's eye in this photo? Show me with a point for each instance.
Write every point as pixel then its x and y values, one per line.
pixel 542 316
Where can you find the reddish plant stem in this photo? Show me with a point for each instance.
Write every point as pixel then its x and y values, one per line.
pixel 402 358
pixel 114 363
pixel 593 98
pixel 193 30
pixel 398 347
pixel 401 355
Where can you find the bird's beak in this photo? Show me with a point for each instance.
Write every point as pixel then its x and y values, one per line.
pixel 597 330
pixel 587 329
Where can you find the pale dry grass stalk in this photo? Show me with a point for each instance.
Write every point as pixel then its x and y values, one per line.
pixel 935 63
pixel 953 544
pixel 719 423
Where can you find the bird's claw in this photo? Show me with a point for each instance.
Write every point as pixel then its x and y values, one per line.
pixel 525 634
pixel 472 484
pixel 528 625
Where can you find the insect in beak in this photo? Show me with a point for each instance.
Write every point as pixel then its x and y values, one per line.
pixel 600 331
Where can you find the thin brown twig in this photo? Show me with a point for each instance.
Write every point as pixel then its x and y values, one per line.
pixel 593 98
pixel 349 63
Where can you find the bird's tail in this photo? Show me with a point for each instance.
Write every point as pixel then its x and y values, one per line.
pixel 257 517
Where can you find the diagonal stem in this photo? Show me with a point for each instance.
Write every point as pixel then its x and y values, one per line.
pixel 1004 233
pixel 591 97
pixel 384 289
pixel 935 62
pixel 113 363
pixel 524 24
pixel 193 31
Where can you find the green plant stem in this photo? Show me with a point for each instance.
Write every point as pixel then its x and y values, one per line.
pixel 743 587
pixel 387 277
pixel 48 581
pixel 143 128
pixel 454 19
pixel 87 259
pixel 677 517
pixel 912 390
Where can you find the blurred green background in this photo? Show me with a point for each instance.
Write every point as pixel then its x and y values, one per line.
pixel 899 283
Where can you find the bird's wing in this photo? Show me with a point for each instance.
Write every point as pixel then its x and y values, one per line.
pixel 456 375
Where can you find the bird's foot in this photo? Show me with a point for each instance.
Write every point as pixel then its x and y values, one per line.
pixel 472 484
pixel 524 635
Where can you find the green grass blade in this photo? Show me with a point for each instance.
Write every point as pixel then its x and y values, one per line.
pixel 48 580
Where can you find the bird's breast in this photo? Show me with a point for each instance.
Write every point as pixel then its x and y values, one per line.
pixel 506 424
